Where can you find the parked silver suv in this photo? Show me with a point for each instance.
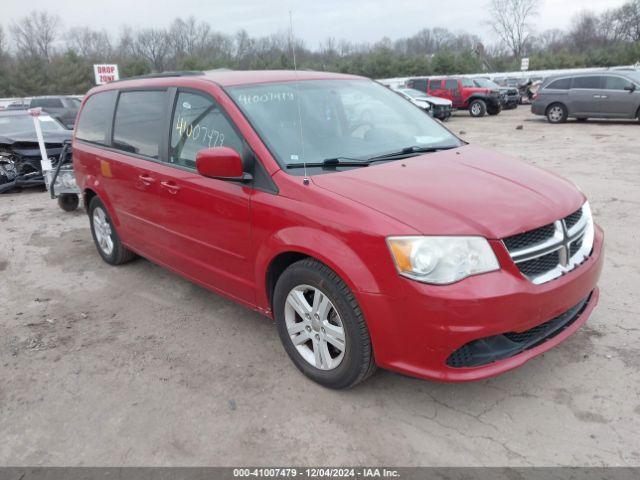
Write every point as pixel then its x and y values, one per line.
pixel 611 94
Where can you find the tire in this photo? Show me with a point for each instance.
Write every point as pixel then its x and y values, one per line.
pixel 68 202
pixel 557 113
pixel 478 108
pixel 105 236
pixel 494 110
pixel 293 301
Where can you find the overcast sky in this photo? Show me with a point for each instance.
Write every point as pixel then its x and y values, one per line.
pixel 314 20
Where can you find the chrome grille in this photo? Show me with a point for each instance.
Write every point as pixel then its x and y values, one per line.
pixel 552 250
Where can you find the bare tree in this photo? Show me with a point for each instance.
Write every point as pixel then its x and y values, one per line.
pixel 629 18
pixel 93 45
pixel 2 41
pixel 510 20
pixel 36 33
pixel 152 44
pixel 585 31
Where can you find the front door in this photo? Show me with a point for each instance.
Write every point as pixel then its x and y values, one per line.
pixel 617 99
pixel 206 220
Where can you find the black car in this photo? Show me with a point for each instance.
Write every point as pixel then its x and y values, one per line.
pixel 65 109
pixel 509 96
pixel 19 151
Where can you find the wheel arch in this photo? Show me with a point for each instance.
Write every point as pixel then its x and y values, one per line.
pixel 557 102
pixel 94 188
pixel 296 243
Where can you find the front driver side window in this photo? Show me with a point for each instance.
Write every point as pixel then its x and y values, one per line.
pixel 199 123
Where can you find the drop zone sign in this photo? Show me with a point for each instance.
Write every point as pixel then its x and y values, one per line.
pixel 105 73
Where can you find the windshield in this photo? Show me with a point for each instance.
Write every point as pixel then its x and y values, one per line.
pixel 635 76
pixel 484 83
pixel 12 124
pixel 340 118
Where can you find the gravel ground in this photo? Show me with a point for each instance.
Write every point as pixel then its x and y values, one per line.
pixel 136 366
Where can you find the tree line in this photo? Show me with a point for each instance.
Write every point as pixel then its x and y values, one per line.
pixel 39 56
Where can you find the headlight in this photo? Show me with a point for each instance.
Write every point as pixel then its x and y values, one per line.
pixel 442 260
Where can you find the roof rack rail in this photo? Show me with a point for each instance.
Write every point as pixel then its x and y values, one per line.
pixel 184 73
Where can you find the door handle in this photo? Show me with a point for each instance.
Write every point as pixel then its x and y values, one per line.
pixel 146 179
pixel 604 96
pixel 597 96
pixel 170 186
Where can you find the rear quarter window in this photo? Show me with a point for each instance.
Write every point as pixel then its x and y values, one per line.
pixel 561 84
pixel 95 119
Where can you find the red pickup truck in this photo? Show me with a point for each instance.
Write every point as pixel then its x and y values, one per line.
pixel 463 92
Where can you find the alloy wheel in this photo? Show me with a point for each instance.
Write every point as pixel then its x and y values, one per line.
pixel 102 230
pixel 556 113
pixel 314 327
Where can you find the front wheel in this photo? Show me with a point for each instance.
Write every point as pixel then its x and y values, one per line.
pixel 494 110
pixel 321 325
pixel 478 108
pixel 557 113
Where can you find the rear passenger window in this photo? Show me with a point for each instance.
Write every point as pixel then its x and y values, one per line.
pixel 451 85
pixel 562 84
pixel 586 82
pixel 199 123
pixel 435 84
pixel 616 83
pixel 95 119
pixel 139 122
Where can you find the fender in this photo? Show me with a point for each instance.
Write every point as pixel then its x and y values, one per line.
pixel 319 244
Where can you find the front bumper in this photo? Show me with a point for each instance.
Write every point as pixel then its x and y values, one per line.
pixel 441 112
pixel 416 332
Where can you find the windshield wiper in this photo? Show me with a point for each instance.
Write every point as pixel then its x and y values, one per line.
pixel 333 162
pixel 407 152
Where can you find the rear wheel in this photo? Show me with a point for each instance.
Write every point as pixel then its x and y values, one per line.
pixel 321 325
pixel 105 236
pixel 68 202
pixel 557 113
pixel 477 108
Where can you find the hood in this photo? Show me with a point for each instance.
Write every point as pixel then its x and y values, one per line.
pixel 26 143
pixel 30 137
pixel 466 191
pixel 441 102
pixel 421 102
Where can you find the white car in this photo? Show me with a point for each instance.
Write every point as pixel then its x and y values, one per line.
pixel 437 107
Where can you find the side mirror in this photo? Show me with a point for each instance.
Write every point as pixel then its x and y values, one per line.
pixel 223 163
pixel 630 88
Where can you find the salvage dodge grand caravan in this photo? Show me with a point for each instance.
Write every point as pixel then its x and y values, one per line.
pixel 365 229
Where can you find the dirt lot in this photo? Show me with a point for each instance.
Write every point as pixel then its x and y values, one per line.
pixel 135 366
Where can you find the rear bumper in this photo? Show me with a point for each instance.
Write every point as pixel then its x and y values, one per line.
pixel 416 333
pixel 537 108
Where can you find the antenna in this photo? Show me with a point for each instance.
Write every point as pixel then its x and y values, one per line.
pixel 305 180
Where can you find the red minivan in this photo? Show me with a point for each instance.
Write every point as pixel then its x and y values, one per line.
pixel 370 233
